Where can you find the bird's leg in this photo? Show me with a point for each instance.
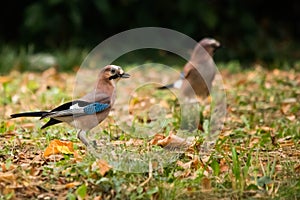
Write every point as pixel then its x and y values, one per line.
pixel 81 135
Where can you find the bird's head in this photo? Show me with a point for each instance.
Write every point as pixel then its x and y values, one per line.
pixel 210 45
pixel 114 72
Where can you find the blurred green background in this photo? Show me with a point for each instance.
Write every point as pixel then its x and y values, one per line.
pixel 253 31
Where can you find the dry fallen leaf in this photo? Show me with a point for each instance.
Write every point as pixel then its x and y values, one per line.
pixel 297 168
pixel 98 198
pixel 72 184
pixel 28 125
pixel 289 101
pixel 7 177
pixel 206 184
pixel 291 117
pixel 285 142
pixel 35 171
pixel 57 146
pixel 170 142
pixel 223 165
pixel 195 163
pixel 254 141
pixel 264 128
pixel 156 138
pixel 102 166
pixel 183 174
pixel 5 168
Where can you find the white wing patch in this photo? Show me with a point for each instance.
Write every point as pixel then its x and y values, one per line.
pixel 178 84
pixel 74 106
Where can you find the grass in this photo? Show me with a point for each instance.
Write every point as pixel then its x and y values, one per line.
pixel 255 157
pixel 27 58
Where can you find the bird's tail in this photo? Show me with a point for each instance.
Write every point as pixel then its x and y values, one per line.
pixel 166 87
pixel 29 114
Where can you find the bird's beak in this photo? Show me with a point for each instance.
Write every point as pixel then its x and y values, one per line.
pixel 125 75
pixel 221 47
pixel 218 47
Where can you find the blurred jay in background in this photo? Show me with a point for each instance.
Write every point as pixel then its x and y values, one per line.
pixel 90 110
pixel 198 74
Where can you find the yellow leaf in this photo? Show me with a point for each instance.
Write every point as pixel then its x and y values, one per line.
pixel 5 79
pixel 57 146
pixel 64 150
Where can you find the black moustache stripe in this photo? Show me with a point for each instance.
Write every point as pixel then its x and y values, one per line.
pixel 114 76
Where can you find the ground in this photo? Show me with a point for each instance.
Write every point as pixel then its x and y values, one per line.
pixel 257 154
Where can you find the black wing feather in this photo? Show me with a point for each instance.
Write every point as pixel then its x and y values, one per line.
pixel 166 86
pixel 66 106
pixel 29 114
pixel 50 123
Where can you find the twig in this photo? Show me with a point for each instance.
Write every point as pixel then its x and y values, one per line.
pixel 150 175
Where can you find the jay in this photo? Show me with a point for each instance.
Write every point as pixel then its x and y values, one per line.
pixel 198 74
pixel 90 110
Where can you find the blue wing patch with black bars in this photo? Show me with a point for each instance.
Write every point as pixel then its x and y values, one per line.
pixel 94 108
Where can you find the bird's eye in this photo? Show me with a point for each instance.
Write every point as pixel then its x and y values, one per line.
pixel 113 71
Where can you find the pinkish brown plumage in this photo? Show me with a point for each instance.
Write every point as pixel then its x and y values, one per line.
pixel 90 110
pixel 199 71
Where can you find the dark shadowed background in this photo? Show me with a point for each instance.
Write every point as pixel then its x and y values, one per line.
pixel 253 31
